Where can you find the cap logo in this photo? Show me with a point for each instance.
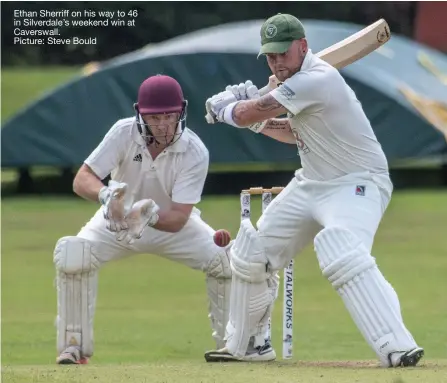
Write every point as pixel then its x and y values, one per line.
pixel 270 31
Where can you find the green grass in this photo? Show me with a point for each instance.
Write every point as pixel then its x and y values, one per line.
pixel 151 323
pixel 23 85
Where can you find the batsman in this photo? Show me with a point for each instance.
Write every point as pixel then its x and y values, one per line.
pixel 336 199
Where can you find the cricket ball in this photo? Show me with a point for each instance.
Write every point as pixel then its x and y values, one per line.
pixel 222 237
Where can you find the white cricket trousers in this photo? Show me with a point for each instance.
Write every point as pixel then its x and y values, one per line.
pixel 193 246
pixel 355 202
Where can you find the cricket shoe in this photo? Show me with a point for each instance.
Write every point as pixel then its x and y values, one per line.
pixel 71 355
pixel 406 359
pixel 264 353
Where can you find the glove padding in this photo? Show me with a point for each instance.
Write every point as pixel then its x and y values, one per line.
pixel 215 105
pixel 143 213
pixel 112 198
pixel 247 91
pixel 244 91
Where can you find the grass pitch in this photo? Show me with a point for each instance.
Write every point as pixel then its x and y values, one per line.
pixel 152 326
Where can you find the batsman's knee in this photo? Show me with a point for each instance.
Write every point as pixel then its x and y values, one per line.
pixel 75 255
pixel 277 246
pixel 341 255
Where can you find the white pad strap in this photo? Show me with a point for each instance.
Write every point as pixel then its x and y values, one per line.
pixel 77 279
pixel 218 283
pixel 248 271
pixel 353 272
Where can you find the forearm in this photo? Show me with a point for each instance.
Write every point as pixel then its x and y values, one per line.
pixel 248 112
pixel 171 221
pixel 87 184
pixel 279 129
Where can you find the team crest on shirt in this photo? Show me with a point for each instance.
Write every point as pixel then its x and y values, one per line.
pixel 360 190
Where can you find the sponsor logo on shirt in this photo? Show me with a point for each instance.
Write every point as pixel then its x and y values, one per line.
pixel 360 190
pixel 286 91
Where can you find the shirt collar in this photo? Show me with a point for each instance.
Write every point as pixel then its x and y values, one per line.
pixel 307 62
pixel 181 144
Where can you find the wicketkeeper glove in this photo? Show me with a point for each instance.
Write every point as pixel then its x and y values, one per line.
pixel 112 199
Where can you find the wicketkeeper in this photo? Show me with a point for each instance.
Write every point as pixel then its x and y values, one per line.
pixel 158 169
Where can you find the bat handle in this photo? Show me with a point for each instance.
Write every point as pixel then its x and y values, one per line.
pixel 209 119
pixel 263 91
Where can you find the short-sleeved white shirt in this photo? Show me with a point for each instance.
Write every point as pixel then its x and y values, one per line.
pixel 177 175
pixel 334 136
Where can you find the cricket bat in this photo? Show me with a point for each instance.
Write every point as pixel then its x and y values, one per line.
pixel 343 53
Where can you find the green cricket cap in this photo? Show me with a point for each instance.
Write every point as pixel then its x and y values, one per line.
pixel 278 32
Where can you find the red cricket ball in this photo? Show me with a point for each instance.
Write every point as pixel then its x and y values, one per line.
pixel 222 237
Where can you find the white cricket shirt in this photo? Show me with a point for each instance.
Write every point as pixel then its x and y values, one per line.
pixel 334 136
pixel 177 175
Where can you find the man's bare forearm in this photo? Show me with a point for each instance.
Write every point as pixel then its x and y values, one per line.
pixel 171 221
pixel 87 184
pixel 279 129
pixel 248 112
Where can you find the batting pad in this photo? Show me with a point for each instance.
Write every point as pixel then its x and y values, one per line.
pixel 353 272
pixel 76 283
pixel 251 295
pixel 218 284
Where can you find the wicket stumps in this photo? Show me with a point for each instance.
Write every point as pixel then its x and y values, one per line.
pixel 287 307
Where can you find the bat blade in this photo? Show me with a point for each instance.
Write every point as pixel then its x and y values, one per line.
pixel 357 46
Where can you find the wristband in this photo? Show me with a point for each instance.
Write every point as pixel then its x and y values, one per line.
pixel 227 115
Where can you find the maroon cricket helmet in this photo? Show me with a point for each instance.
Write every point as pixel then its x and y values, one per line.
pixel 160 94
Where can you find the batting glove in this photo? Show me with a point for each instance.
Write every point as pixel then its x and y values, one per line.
pixel 244 91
